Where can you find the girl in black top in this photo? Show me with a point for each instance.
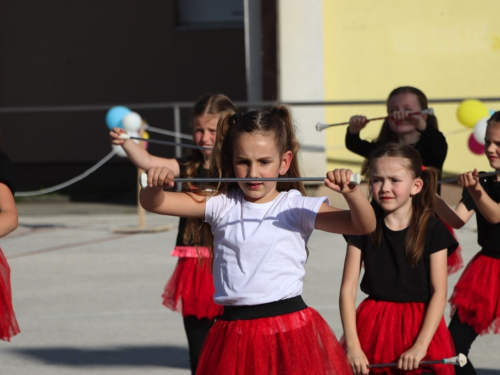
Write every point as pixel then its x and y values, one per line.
pixel 190 289
pixel 8 223
pixel 475 303
pixel 405 271
pixel 419 131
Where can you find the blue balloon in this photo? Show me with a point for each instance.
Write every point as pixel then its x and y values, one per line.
pixel 115 116
pixel 492 111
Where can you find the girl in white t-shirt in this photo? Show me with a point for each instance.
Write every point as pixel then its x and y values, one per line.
pixel 258 232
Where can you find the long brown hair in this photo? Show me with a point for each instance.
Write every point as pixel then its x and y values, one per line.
pixel 208 104
pixel 275 122
pixel 386 134
pixel 422 203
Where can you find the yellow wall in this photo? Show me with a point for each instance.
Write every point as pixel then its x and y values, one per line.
pixel 448 49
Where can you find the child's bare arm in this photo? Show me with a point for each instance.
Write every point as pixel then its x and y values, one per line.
pixel 8 211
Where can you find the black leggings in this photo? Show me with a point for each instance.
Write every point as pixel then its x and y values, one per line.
pixel 463 336
pixel 196 331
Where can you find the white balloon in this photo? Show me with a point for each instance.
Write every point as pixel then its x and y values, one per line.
pixel 132 122
pixel 480 130
pixel 121 152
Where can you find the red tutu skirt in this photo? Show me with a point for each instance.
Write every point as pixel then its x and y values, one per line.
pixel 190 289
pixel 388 329
pixel 294 344
pixel 8 322
pixel 455 261
pixel 476 297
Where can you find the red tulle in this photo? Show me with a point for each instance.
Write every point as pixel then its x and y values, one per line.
pixel 476 297
pixel 190 289
pixel 455 261
pixel 8 322
pixel 388 329
pixel 293 344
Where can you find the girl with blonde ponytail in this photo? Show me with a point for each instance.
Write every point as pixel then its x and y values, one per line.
pixel 258 232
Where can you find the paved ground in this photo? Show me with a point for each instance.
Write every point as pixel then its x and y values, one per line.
pixel 88 299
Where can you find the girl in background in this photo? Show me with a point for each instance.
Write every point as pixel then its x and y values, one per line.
pixel 475 303
pixel 8 223
pixel 405 276
pixel 259 232
pixel 419 131
pixel 190 289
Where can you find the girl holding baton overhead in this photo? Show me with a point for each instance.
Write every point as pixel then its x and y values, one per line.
pixel 190 289
pixel 259 232
pixel 405 271
pixel 475 303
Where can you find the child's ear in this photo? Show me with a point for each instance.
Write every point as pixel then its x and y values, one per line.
pixel 418 184
pixel 286 160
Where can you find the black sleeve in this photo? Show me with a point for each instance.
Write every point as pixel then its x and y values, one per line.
pixel 357 241
pixel 438 237
pixel 5 176
pixel 355 144
pixel 433 147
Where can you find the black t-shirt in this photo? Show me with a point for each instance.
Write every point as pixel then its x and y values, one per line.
pixel 488 235
pixel 388 275
pixel 200 173
pixel 5 176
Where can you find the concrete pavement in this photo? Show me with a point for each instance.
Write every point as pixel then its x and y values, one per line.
pixel 88 300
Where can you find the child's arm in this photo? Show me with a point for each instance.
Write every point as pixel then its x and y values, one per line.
pixel 457 217
pixel 487 206
pixel 139 156
pixel 348 290
pixel 358 220
pixel 154 199
pixel 8 211
pixel 410 359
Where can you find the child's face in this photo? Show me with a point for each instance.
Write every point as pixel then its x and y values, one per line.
pixel 205 131
pixel 492 145
pixel 393 185
pixel 399 103
pixel 255 156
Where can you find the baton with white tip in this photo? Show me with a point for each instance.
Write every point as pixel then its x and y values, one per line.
pixel 168 143
pixel 355 179
pixel 320 126
pixel 459 360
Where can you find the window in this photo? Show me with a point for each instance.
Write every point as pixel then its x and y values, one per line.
pixel 210 14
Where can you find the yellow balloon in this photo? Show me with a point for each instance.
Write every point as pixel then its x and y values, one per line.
pixel 470 111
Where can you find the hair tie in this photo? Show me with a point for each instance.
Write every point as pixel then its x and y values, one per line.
pixel 276 111
pixel 236 117
pixel 423 168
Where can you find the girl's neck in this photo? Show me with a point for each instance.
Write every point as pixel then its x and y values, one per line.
pixel 206 163
pixel 397 220
pixel 409 138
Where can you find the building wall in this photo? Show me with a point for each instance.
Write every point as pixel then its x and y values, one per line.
pixel 301 73
pixel 58 52
pixel 448 49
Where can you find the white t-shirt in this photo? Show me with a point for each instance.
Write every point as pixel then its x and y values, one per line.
pixel 259 249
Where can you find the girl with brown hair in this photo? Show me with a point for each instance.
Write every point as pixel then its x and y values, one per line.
pixel 258 232
pixel 405 276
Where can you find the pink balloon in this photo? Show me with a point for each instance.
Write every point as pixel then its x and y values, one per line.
pixel 475 147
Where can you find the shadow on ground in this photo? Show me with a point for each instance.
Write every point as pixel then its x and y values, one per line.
pixel 487 371
pixel 154 356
